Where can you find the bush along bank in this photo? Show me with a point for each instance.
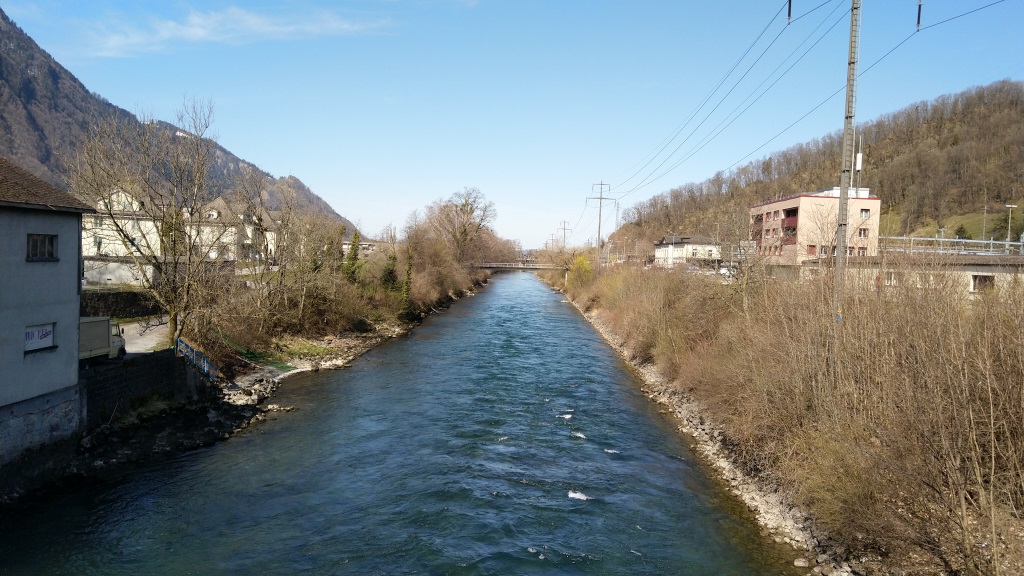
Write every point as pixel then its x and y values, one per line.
pixel 890 444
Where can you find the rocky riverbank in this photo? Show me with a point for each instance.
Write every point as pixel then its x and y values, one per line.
pixel 162 428
pixel 783 521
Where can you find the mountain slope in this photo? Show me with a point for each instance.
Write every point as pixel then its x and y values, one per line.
pixel 45 112
pixel 934 164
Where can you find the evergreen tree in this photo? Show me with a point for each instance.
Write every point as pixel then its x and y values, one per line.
pixel 389 276
pixel 351 266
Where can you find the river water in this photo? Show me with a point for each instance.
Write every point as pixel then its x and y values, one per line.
pixel 503 436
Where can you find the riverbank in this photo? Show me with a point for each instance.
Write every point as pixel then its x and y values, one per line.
pixel 783 522
pixel 164 428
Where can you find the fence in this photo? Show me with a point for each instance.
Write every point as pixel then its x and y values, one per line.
pixel 198 359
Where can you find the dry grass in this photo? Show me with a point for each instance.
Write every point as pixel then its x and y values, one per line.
pixel 902 428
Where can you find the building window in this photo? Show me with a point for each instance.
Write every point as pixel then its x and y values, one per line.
pixel 981 283
pixel 812 250
pixel 862 251
pixel 865 213
pixel 862 233
pixel 775 215
pixel 39 337
pixel 41 247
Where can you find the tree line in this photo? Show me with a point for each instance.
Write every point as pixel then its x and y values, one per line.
pixel 304 273
pixel 930 163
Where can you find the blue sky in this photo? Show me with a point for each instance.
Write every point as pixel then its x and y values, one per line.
pixel 383 106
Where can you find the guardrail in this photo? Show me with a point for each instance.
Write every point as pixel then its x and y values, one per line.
pixel 198 359
pixel 517 265
pixel 916 245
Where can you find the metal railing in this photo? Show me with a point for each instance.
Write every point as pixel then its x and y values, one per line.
pixel 515 265
pixel 197 358
pixel 913 245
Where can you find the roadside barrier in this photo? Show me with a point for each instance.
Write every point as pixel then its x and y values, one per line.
pixel 197 358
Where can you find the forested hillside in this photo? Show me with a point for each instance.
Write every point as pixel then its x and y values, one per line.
pixel 934 164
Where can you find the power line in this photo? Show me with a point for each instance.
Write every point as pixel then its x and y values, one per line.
pixel 714 134
pixel 864 71
pixel 706 99
pixel 650 178
pixel 964 14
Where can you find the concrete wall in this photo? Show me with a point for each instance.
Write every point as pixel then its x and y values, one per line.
pixel 116 272
pixel 39 421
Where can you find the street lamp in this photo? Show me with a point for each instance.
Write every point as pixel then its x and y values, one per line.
pixel 1009 218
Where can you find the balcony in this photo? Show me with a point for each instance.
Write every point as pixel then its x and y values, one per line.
pixel 790 222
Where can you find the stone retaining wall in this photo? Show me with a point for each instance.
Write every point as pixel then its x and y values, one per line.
pixel 39 421
pixel 117 303
pixel 117 387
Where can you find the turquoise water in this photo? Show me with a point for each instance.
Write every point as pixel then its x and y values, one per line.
pixel 503 436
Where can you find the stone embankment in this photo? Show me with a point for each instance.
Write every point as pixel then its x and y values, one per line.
pixel 785 522
pixel 162 429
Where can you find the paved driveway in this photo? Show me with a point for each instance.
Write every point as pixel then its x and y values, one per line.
pixel 138 337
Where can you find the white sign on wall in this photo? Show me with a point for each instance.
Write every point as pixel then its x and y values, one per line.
pixel 39 336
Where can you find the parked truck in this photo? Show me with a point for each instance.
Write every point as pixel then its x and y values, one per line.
pixel 99 338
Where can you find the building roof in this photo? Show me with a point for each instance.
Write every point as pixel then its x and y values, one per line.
pixel 21 189
pixel 827 194
pixel 687 240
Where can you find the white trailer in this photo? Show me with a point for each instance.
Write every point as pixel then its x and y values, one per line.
pixel 98 337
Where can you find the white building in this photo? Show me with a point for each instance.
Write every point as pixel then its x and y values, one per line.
pixel 672 251
pixel 40 283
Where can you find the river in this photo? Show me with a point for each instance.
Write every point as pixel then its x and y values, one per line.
pixel 502 436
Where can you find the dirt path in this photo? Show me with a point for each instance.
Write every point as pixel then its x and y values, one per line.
pixel 140 337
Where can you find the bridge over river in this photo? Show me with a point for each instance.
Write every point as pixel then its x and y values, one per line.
pixel 519 266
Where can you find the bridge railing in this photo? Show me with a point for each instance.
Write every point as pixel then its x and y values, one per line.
pixel 522 265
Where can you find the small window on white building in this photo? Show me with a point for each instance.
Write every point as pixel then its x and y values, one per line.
pixel 812 250
pixel 865 213
pixel 862 233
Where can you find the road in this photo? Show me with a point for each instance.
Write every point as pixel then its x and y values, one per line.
pixel 139 339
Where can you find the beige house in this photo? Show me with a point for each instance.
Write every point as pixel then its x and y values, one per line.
pixel 234 232
pixel 788 231
pixel 123 229
pixel 672 251
pixel 118 229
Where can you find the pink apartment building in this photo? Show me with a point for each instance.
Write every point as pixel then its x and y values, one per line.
pixel 788 231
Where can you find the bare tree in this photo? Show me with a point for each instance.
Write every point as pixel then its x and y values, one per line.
pixel 149 182
pixel 459 220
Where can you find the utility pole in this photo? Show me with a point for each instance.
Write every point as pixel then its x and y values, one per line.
pixel 600 203
pixel 847 175
pixel 564 227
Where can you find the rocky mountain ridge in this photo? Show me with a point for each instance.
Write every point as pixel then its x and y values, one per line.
pixel 45 112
